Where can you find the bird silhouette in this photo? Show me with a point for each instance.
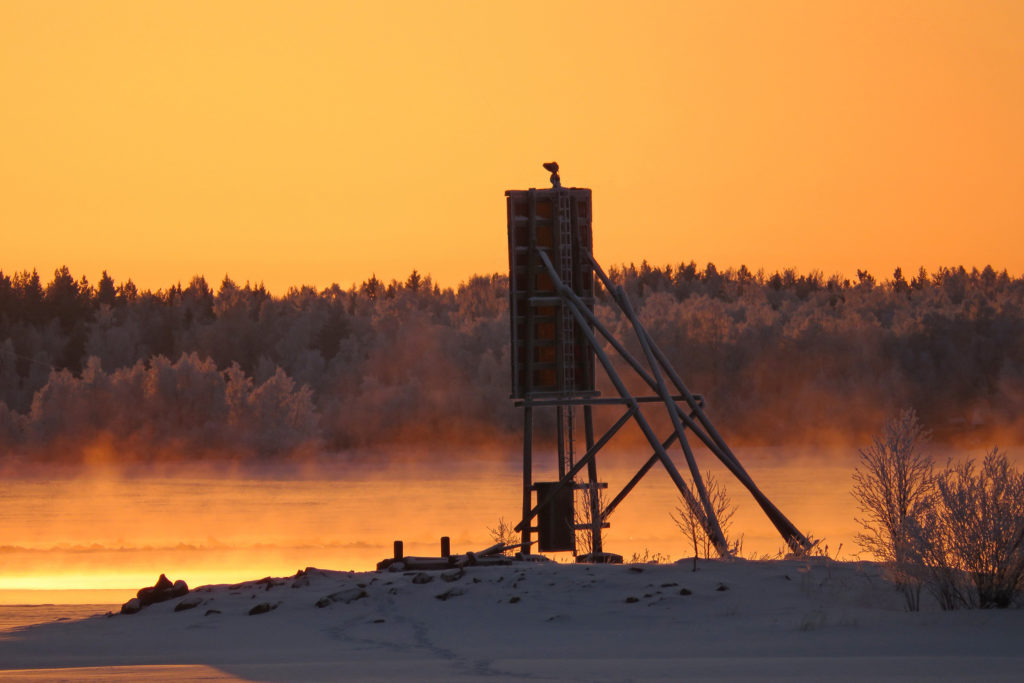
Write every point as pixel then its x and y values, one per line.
pixel 552 166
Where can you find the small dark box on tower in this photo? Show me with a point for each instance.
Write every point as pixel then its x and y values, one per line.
pixel 555 531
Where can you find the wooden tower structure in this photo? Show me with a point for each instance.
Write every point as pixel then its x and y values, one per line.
pixel 555 351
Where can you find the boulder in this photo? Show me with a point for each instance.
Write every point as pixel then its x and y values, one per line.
pixel 449 594
pixel 131 607
pixel 188 603
pixel 161 591
pixel 348 596
pixel 262 608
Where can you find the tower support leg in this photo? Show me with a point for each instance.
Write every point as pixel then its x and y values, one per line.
pixel 593 492
pixel 527 476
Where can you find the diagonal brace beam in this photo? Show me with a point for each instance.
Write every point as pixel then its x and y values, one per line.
pixel 797 542
pixel 580 464
pixel 576 308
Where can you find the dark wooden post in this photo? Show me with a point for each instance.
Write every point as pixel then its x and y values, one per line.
pixel 595 503
pixel 527 476
pixel 561 436
pixel 446 546
pixel 399 552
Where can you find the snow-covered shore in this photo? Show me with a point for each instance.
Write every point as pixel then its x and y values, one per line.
pixel 738 620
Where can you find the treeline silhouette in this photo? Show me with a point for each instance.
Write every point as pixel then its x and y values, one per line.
pixel 238 372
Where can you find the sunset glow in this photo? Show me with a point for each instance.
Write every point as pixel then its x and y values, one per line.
pixel 323 142
pixel 328 142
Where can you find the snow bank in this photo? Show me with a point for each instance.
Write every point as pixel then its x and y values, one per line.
pixel 784 620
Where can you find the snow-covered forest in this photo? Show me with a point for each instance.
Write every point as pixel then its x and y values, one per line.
pixel 196 371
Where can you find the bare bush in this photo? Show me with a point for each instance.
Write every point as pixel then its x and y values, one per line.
pixel 692 525
pixel 505 534
pixel 584 501
pixel 648 557
pixel 895 487
pixel 958 534
pixel 893 484
pixel 820 549
pixel 981 520
pixel 933 565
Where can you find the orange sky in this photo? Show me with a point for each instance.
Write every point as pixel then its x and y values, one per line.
pixel 318 142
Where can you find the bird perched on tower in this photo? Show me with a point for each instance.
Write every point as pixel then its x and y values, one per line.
pixel 552 166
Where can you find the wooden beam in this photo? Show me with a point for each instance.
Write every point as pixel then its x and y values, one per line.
pixel 592 401
pixel 594 492
pixel 527 476
pixel 712 526
pixel 591 453
pixel 638 417
pixel 712 439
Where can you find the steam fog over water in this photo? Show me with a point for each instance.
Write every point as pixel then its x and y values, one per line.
pixel 116 531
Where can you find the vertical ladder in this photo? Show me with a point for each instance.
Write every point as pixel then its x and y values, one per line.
pixel 565 272
pixel 568 351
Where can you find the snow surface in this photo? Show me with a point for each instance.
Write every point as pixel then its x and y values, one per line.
pixel 741 620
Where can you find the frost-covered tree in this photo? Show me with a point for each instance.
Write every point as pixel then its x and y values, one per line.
pixel 776 355
pixel 895 487
pixel 893 484
pixel 982 515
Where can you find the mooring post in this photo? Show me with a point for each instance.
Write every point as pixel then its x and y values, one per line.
pixel 446 547
pixel 399 553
